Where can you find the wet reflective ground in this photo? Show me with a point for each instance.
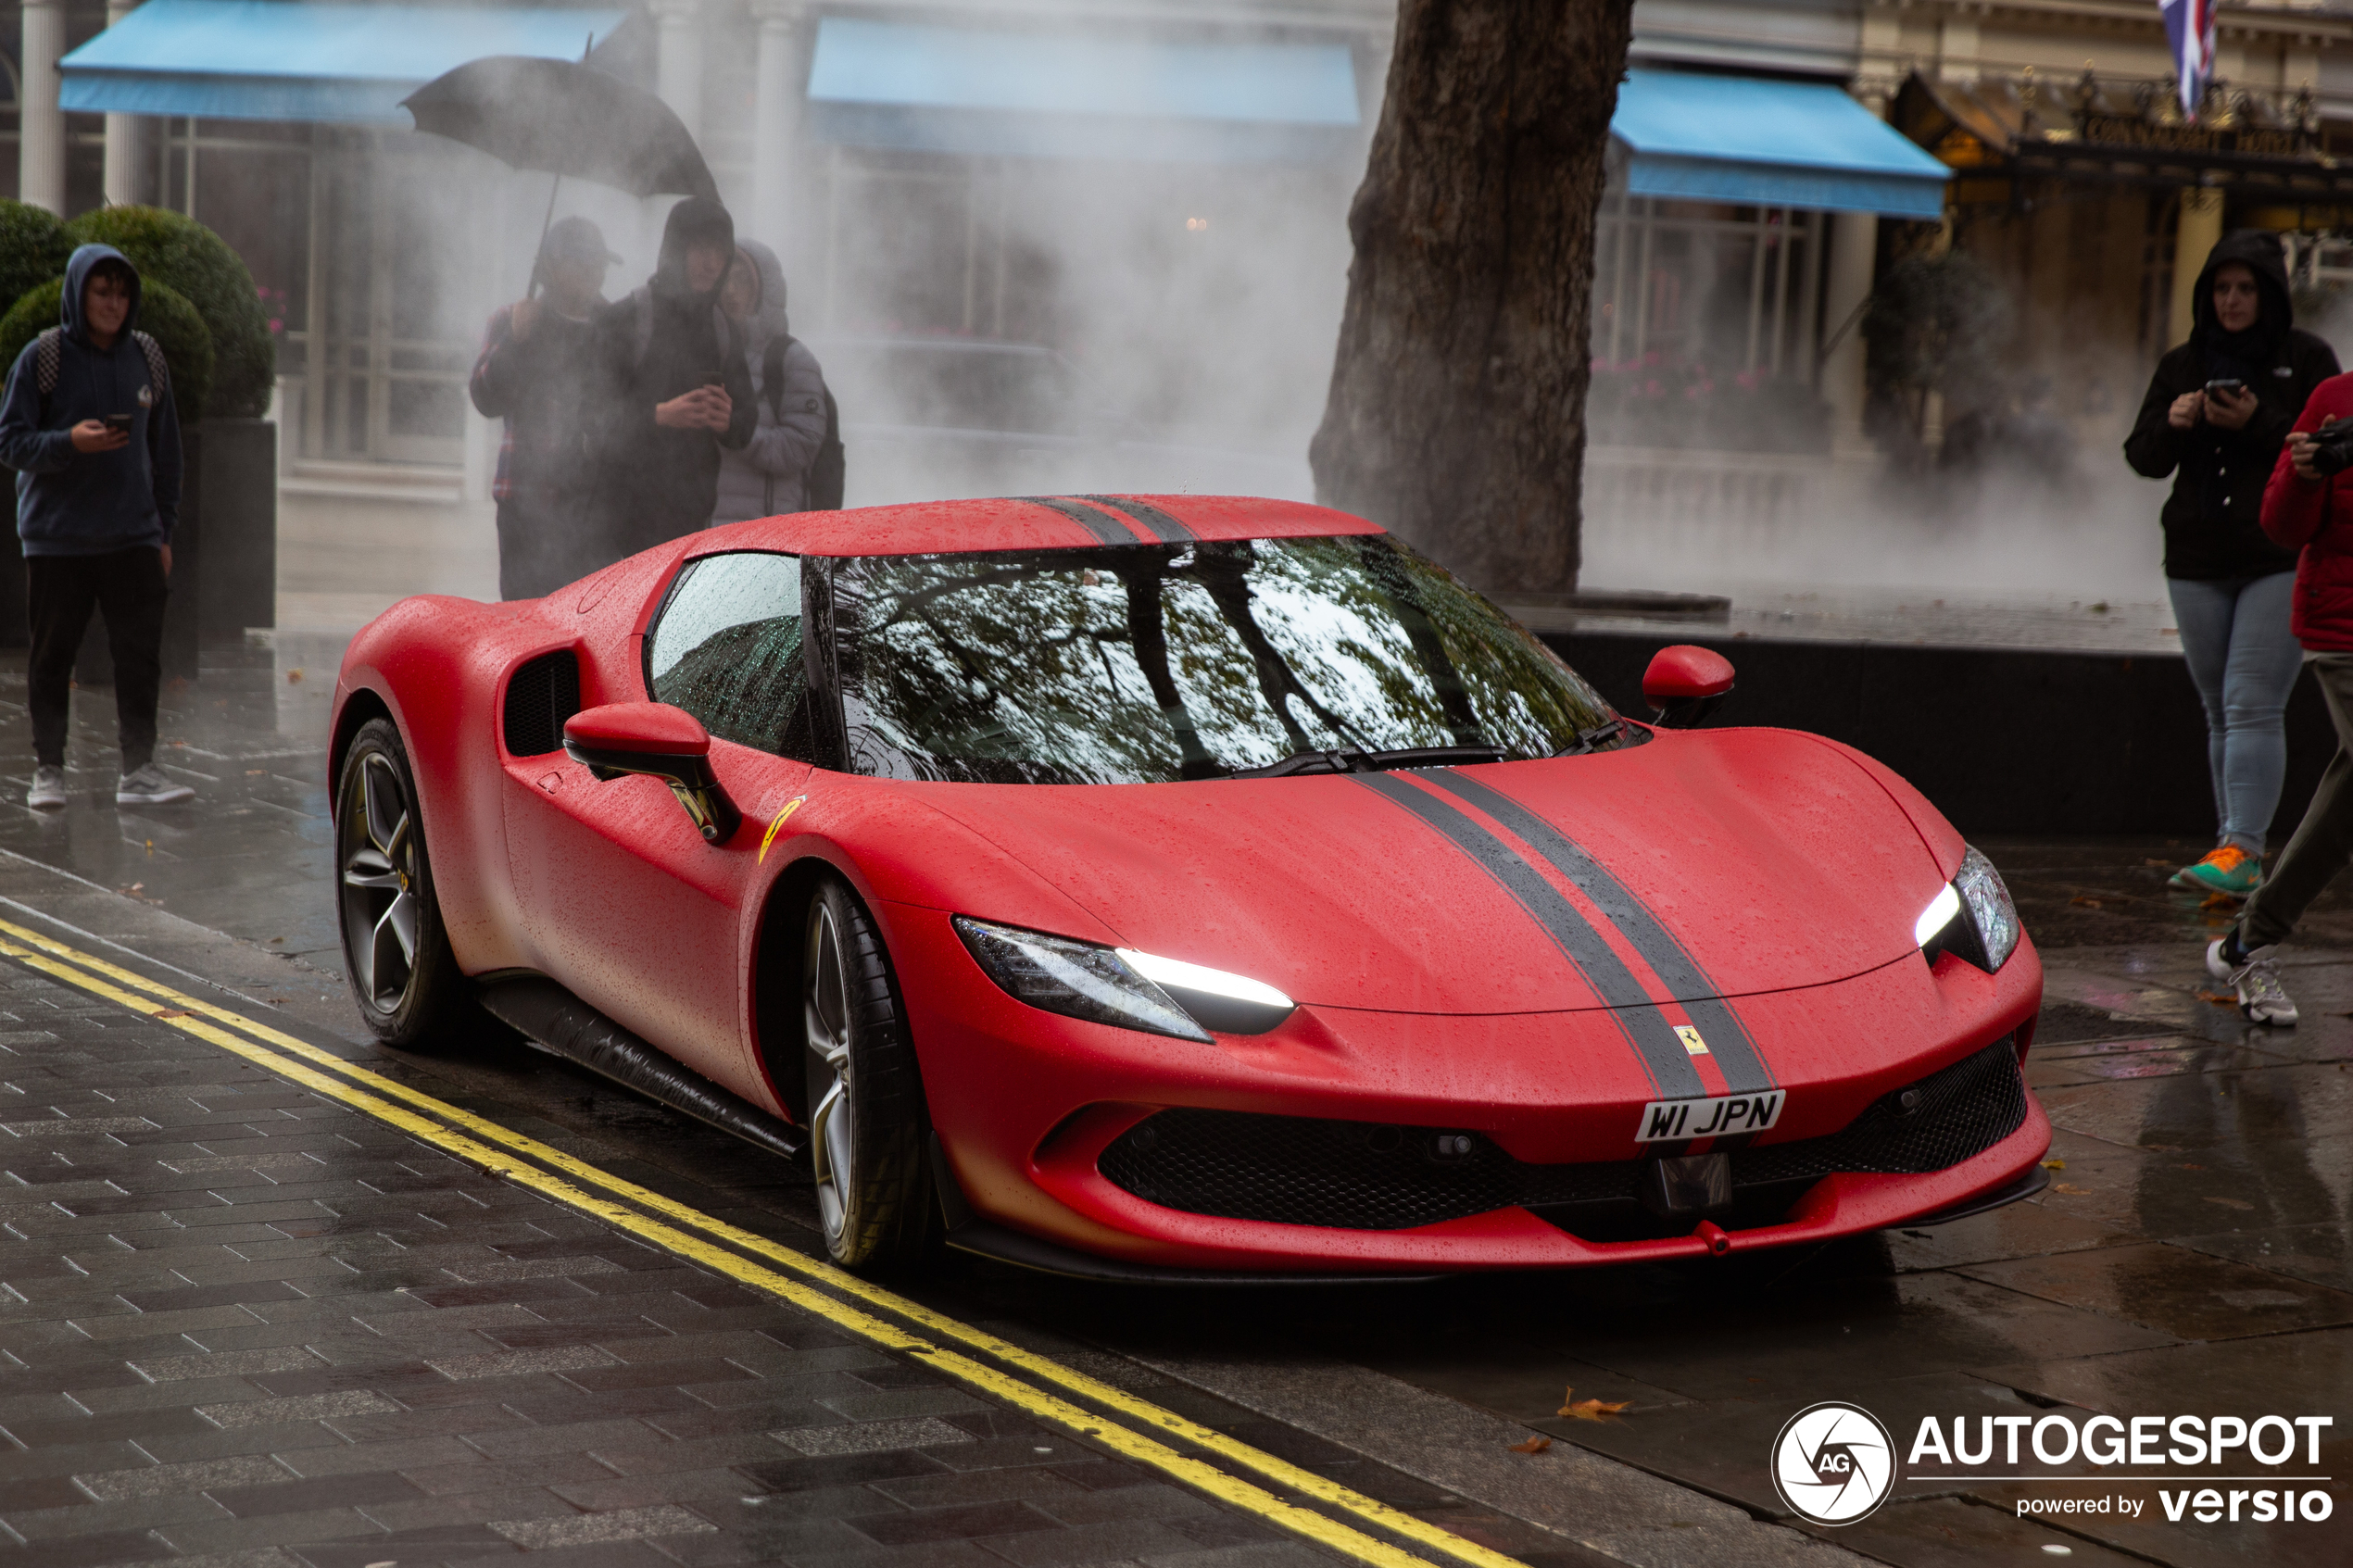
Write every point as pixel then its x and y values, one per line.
pixel 2193 1253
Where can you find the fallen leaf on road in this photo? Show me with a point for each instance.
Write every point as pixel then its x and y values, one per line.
pixel 2230 1203
pixel 2087 903
pixel 2070 1189
pixel 2160 864
pixel 293 676
pixel 2054 1164
pixel 1534 1445
pixel 175 1012
pixel 2218 998
pixel 1593 1410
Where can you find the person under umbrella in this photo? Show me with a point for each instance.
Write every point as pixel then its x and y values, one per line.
pixel 536 360
pixel 676 389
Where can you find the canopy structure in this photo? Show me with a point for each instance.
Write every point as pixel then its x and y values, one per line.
pixel 266 59
pixel 1769 144
pixel 995 92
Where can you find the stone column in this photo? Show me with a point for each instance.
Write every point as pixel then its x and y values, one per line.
pixel 775 116
pixel 1854 260
pixel 41 146
pixel 678 59
pixel 2201 225
pixel 122 135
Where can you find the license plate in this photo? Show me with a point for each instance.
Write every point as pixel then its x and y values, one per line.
pixel 1677 1120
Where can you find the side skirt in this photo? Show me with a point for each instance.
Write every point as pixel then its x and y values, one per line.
pixel 560 1022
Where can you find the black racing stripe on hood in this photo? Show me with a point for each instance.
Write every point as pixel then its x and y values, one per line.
pixel 1728 1039
pixel 1637 1018
pixel 1166 529
pixel 1107 529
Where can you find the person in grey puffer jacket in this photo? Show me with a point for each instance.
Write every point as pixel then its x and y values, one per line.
pixel 770 475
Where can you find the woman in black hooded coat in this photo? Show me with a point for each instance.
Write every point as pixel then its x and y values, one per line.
pixel 2218 410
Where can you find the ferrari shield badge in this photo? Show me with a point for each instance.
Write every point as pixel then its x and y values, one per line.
pixel 774 827
pixel 1673 1121
pixel 1691 1042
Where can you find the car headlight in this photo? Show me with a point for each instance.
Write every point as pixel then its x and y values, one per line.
pixel 1120 986
pixel 1971 917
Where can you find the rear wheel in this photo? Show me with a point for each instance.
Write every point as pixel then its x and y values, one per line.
pixel 867 1121
pixel 404 977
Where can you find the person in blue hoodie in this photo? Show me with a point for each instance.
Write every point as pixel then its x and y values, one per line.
pixel 87 423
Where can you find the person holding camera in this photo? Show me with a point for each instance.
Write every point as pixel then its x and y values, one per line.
pixel 2311 485
pixel 88 425
pixel 2218 411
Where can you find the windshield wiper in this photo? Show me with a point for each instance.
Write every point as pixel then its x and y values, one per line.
pixel 1590 740
pixel 1356 760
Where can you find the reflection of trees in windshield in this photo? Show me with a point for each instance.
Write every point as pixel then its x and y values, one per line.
pixel 1181 661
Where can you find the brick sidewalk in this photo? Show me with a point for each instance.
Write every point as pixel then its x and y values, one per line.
pixel 249 1327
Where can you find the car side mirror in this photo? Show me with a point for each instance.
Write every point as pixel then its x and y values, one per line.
pixel 662 742
pixel 1685 685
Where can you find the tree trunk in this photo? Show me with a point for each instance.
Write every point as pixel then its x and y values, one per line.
pixel 1457 410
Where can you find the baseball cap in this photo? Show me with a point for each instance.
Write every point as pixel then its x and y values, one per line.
pixel 576 239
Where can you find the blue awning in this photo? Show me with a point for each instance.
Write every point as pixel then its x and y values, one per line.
pixel 1769 144
pixel 995 92
pixel 268 59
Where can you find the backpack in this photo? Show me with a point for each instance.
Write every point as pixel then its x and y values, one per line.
pixel 48 363
pixel 821 488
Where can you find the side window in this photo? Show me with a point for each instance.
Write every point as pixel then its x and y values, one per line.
pixel 727 650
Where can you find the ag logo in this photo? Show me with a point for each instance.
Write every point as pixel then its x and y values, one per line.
pixel 1833 1463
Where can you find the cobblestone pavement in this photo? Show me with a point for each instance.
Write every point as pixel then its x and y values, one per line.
pixel 476 1371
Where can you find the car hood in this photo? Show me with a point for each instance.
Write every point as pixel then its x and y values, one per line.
pixel 1721 863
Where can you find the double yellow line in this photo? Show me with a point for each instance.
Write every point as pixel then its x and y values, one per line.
pixel 1037 1384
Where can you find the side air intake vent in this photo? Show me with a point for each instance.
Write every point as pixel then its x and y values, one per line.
pixel 543 694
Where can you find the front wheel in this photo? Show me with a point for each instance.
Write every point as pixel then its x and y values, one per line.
pixel 867 1121
pixel 404 976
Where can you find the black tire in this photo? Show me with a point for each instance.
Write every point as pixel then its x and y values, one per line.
pixel 404 978
pixel 868 1126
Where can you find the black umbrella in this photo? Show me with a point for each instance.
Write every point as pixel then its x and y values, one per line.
pixel 564 117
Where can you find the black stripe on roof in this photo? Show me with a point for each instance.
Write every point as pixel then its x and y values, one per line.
pixel 1166 529
pixel 1107 529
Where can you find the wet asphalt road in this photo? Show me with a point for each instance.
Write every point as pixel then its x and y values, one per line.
pixel 2194 1252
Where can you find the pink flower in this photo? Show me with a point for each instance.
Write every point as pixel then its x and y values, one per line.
pixel 276 325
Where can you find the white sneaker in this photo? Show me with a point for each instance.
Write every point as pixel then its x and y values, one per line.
pixel 2261 996
pixel 48 791
pixel 147 787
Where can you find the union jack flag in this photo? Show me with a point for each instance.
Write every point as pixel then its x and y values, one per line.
pixel 2189 27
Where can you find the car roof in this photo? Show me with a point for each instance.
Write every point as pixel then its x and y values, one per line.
pixel 1021 523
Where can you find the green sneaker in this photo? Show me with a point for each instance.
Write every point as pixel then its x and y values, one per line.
pixel 2229 871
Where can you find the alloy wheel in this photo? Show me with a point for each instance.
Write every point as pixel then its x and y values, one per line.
pixel 826 1009
pixel 380 883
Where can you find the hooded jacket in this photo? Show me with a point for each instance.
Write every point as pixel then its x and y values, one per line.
pixel 2315 518
pixel 73 502
pixel 660 342
pixel 770 475
pixel 2213 520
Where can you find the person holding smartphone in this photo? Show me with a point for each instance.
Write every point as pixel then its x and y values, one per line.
pixel 2218 411
pixel 88 424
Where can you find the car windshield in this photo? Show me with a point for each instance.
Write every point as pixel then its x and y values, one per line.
pixel 1150 663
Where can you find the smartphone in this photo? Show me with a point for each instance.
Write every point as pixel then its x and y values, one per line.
pixel 2231 384
pixel 711 377
pixel 119 422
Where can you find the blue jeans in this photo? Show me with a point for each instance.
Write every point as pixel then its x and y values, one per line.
pixel 2244 660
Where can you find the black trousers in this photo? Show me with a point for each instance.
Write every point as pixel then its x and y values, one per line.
pixel 129 589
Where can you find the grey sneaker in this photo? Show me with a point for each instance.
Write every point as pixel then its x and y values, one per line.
pixel 2261 996
pixel 48 791
pixel 147 785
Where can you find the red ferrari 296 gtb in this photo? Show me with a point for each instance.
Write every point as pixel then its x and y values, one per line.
pixel 1178 887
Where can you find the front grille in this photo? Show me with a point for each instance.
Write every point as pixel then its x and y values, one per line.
pixel 540 696
pixel 1372 1176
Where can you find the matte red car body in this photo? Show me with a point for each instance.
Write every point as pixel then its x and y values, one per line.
pixel 1791 869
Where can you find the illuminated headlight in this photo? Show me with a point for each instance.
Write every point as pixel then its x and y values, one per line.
pixel 1119 986
pixel 1971 917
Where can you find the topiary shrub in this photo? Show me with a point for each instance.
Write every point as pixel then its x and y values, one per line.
pixel 164 314
pixel 33 248
pixel 185 256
